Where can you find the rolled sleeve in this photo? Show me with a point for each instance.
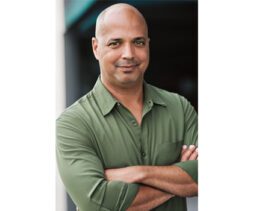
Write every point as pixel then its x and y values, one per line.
pixel 190 167
pixel 123 193
pixel 82 171
pixel 190 138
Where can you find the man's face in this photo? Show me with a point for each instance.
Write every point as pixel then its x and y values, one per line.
pixel 122 49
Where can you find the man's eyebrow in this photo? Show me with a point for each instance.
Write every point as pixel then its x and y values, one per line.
pixel 139 38
pixel 114 40
pixel 120 39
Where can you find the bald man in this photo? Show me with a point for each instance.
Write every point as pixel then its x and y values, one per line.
pixel 127 145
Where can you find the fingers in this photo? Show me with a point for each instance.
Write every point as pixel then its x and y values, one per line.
pixel 184 148
pixel 194 155
pixel 170 196
pixel 189 153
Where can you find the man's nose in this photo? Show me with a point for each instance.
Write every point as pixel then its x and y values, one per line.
pixel 128 51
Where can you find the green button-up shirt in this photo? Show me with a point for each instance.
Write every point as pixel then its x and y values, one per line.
pixel 97 133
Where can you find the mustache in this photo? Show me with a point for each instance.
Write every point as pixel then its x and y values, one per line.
pixel 127 63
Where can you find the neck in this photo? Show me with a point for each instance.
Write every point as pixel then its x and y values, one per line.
pixel 131 97
pixel 127 95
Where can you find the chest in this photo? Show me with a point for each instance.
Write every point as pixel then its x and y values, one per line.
pixel 120 141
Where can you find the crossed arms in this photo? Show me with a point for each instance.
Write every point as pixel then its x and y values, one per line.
pixel 158 183
pixel 91 187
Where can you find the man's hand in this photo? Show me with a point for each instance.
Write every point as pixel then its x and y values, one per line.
pixel 189 153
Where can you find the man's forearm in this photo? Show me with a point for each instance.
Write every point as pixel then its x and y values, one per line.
pixel 148 198
pixel 171 179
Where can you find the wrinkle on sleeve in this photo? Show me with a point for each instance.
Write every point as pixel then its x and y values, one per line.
pixel 82 171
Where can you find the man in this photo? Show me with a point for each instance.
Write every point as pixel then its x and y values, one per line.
pixel 127 145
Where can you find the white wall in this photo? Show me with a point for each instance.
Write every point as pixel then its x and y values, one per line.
pixel 61 197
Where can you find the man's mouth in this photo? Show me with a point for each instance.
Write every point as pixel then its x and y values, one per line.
pixel 128 66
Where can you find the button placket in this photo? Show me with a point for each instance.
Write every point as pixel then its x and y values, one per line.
pixel 144 152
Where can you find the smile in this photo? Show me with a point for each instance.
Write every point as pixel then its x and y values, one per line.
pixel 128 66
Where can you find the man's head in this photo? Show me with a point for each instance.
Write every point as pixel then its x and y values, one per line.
pixel 121 45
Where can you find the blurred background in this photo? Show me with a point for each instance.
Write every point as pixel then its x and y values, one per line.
pixel 173 30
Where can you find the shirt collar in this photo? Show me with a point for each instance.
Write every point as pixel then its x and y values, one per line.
pixel 106 101
pixel 151 94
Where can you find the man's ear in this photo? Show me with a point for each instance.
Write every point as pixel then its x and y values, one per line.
pixel 95 47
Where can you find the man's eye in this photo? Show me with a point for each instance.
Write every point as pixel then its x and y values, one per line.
pixel 113 44
pixel 139 43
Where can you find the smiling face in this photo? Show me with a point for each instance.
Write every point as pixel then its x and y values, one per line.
pixel 122 47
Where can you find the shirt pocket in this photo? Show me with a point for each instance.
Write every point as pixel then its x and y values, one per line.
pixel 167 153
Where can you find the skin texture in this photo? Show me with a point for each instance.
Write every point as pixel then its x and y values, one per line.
pixel 121 47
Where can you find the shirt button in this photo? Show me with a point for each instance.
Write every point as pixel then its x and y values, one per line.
pixel 134 122
pixel 150 103
pixel 143 154
pixel 118 104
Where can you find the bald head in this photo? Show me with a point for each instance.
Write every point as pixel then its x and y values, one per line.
pixel 120 10
pixel 121 46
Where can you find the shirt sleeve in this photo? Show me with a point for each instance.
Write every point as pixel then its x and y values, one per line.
pixel 82 171
pixel 190 138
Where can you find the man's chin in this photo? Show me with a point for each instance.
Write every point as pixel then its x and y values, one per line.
pixel 130 81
